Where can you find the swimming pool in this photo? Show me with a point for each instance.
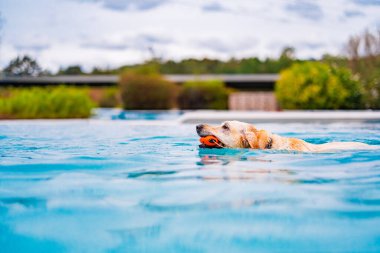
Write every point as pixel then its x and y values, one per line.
pixel 135 186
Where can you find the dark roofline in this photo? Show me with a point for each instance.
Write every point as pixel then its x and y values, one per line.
pixel 244 81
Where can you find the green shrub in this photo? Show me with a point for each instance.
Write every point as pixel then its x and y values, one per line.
pixel 47 102
pixel 146 91
pixel 315 85
pixel 109 97
pixel 203 95
pixel 372 92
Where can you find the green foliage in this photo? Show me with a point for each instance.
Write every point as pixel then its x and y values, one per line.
pixel 315 85
pixel 23 66
pixel 372 90
pixel 232 66
pixel 146 91
pixel 109 97
pixel 368 71
pixel 107 71
pixel 48 102
pixel 203 95
pixel 71 70
pixel 148 68
pixel 363 58
pixel 210 66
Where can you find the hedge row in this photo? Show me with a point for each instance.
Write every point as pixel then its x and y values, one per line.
pixel 49 102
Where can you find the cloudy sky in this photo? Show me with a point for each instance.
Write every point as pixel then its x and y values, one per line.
pixel 115 32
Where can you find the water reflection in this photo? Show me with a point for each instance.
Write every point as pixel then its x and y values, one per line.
pixel 226 156
pixel 241 165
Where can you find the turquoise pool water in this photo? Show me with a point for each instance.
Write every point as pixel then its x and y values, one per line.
pixel 133 186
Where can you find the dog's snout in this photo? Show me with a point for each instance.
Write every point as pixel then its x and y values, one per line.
pixel 199 127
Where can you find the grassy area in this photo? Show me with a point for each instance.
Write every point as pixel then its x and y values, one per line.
pixel 45 103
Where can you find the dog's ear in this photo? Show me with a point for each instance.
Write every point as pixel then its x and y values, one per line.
pixel 249 138
pixel 264 140
pixel 256 139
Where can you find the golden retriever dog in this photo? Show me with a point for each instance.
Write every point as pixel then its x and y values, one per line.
pixel 236 134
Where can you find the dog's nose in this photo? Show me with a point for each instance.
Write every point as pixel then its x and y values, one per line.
pixel 199 127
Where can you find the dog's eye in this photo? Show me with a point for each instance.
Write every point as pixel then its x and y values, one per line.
pixel 225 126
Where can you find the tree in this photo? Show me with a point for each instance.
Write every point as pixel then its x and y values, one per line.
pixel 363 52
pixel 23 66
pixel 352 49
pixel 286 59
pixel 288 53
pixel 71 70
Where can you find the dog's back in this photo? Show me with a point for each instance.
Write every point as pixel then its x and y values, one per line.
pixel 331 146
pixel 285 143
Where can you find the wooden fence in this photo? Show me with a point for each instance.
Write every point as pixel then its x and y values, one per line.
pixel 253 100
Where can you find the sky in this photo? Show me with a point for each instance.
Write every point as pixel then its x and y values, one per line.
pixel 110 33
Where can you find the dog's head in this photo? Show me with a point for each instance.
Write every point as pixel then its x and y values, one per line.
pixel 236 134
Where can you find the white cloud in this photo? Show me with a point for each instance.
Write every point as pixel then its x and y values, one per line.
pixel 114 32
pixel 367 2
pixel 121 5
pixel 305 9
pixel 214 6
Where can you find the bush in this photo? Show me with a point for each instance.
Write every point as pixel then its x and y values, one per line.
pixel 146 91
pixel 315 85
pixel 106 97
pixel 203 95
pixel 109 97
pixel 372 92
pixel 48 102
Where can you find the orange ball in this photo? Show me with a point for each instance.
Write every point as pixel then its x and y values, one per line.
pixel 210 141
